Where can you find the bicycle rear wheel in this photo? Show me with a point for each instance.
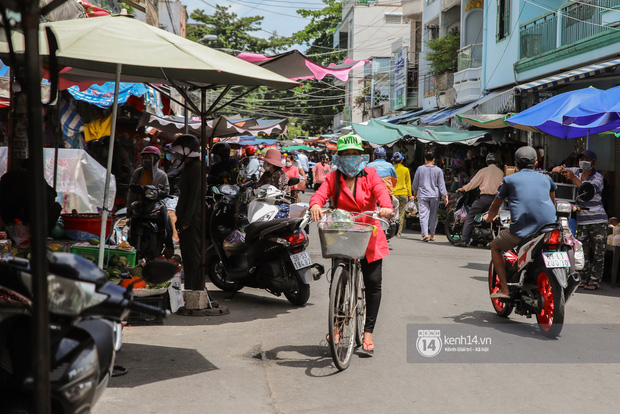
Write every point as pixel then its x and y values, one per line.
pixel 360 313
pixel 341 319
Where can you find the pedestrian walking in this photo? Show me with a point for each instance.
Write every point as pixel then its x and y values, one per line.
pixel 402 189
pixel 292 171
pixel 429 187
pixel 320 171
pixel 592 221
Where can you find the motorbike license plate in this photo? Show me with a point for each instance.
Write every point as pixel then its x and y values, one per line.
pixel 301 260
pixel 556 259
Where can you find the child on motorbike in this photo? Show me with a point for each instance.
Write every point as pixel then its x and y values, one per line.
pixel 354 187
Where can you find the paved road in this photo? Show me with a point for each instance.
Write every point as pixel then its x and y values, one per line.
pixel 268 356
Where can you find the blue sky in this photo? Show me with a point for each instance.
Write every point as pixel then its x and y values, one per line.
pixel 280 16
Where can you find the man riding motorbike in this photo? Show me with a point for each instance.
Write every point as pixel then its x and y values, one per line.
pixel 531 199
pixel 488 179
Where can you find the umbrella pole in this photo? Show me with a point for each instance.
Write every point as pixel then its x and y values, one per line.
pixel 203 186
pixel 104 210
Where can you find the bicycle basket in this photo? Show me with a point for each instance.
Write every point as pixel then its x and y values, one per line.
pixel 345 242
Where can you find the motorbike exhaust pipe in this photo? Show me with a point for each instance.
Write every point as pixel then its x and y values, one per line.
pixel 571 286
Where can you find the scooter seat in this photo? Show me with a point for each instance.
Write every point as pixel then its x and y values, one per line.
pixel 259 229
pixel 542 229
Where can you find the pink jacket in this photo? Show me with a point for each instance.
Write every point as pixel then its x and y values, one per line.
pixel 369 191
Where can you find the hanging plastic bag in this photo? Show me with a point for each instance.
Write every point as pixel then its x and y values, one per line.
pixel 411 208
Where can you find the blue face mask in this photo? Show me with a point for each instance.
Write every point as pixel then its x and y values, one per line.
pixel 350 165
pixel 169 157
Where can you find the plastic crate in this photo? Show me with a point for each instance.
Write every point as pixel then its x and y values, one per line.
pixel 139 318
pixel 86 249
pixel 88 222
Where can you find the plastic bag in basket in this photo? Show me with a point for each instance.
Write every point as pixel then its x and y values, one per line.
pixel 337 219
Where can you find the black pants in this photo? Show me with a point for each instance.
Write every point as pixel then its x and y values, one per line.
pixel 481 205
pixel 372 282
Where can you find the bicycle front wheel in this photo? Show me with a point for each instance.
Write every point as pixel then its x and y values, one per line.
pixel 341 318
pixel 360 312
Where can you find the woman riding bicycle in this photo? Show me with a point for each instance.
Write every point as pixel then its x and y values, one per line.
pixel 355 188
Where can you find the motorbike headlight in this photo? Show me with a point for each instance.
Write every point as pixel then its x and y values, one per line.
pixel 151 193
pixel 564 208
pixel 266 217
pixel 71 297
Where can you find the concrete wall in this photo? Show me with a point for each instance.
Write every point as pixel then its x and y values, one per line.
pixel 498 56
pixel 370 36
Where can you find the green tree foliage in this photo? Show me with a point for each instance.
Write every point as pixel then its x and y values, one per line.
pixel 233 32
pixel 442 53
pixel 323 101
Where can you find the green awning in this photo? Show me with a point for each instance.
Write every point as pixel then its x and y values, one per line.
pixel 300 147
pixel 492 121
pixel 384 133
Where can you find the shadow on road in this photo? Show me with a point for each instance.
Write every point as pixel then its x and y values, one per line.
pixel 525 328
pixel 476 266
pixel 243 307
pixel 315 359
pixel 147 364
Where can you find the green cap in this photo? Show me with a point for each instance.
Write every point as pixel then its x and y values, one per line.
pixel 346 142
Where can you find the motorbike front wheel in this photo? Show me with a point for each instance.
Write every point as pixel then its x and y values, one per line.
pixel 501 307
pixel 453 227
pixel 551 315
pixel 217 274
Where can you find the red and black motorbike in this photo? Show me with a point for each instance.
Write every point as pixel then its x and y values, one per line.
pixel 541 277
pixel 542 271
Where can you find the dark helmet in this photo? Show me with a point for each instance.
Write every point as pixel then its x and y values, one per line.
pixel 492 158
pixel 221 149
pixel 186 145
pixel 151 150
pixel 525 157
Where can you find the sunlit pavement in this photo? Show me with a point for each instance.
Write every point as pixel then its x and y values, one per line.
pixel 268 356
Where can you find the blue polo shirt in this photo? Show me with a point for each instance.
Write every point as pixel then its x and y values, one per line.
pixel 527 194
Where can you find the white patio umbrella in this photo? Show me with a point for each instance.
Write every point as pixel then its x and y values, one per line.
pixel 123 49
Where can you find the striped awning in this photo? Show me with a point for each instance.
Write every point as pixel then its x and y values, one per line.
pixel 568 76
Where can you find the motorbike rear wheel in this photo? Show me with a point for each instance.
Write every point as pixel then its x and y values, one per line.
pixel 218 276
pixel 453 228
pixel 551 316
pixel 299 293
pixel 502 308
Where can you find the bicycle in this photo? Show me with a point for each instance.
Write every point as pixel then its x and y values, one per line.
pixel 345 243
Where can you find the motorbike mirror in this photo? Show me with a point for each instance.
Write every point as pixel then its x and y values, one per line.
pixel 293 181
pixel 586 191
pixel 159 271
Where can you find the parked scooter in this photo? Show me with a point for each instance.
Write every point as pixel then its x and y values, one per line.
pixel 85 312
pixel 148 221
pixel 270 203
pixel 269 254
pixel 542 271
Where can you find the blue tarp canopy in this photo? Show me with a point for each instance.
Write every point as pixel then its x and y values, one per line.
pixel 548 116
pixel 103 95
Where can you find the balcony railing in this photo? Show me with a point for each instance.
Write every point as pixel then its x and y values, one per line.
pixel 470 57
pixel 565 26
pixel 351 3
